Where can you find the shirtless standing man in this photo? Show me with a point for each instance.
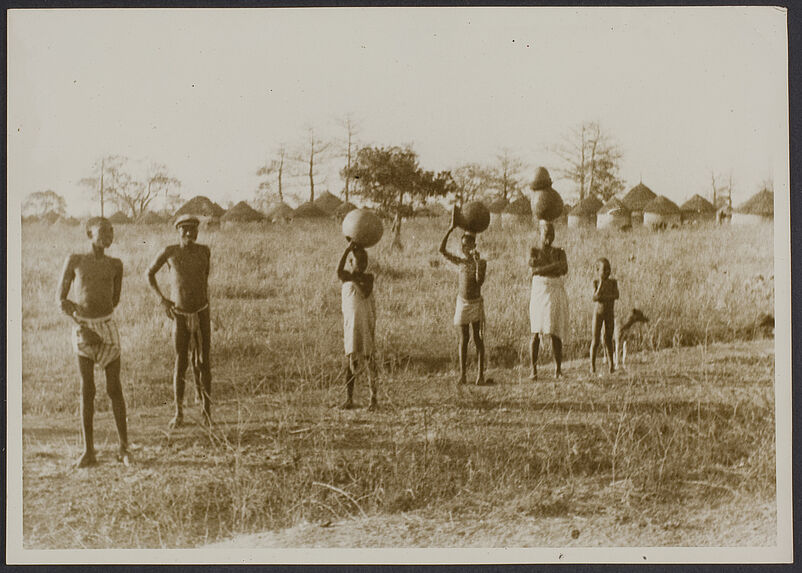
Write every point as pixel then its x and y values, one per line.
pixel 189 265
pixel 98 281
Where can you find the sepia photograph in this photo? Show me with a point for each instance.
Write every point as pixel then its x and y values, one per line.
pixel 398 285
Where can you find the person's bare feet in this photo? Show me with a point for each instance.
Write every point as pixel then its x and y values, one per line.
pixel 176 422
pixel 485 382
pixel 347 405
pixel 124 457
pixel 558 374
pixel 462 381
pixel 87 460
pixel 374 405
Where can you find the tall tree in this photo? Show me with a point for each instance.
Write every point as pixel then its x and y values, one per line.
pixel 471 181
pixel 348 147
pixel 270 172
pixel 508 173
pixel 391 176
pixel 97 183
pixel 118 182
pixel 42 202
pixel 591 159
pixel 312 155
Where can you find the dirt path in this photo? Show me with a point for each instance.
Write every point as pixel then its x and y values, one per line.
pixel 437 466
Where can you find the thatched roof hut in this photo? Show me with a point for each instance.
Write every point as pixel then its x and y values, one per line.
pixel 150 218
pixel 206 210
pixel 279 212
pixel 343 209
pixel 697 209
pixel 661 212
pixel 496 208
pixel 518 211
pixel 309 210
pixel 613 215
pixel 583 213
pixel 758 209
pixel 242 213
pixel 327 203
pixel 119 218
pixel 636 200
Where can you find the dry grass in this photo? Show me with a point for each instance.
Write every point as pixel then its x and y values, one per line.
pixel 687 429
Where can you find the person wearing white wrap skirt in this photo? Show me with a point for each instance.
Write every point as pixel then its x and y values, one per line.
pixel 548 302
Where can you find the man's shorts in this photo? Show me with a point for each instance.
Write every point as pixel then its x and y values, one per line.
pixel 102 352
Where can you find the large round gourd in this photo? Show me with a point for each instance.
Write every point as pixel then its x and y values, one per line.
pixel 363 227
pixel 547 204
pixel 473 217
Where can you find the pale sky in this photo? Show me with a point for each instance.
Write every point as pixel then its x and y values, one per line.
pixel 211 93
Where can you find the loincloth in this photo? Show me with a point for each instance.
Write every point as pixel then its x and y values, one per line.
pixel 104 352
pixel 469 311
pixel 548 307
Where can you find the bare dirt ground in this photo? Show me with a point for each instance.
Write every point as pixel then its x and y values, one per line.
pixel 677 451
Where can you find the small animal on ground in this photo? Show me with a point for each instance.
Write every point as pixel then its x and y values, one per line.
pixel 620 332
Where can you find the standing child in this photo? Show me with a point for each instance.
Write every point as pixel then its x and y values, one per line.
pixel 98 281
pixel 470 311
pixel 189 265
pixel 605 293
pixel 359 320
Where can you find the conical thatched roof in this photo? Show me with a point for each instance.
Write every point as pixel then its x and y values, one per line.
pixel 201 205
pixel 520 206
pixel 327 203
pixel 614 206
pixel 761 203
pixel 279 211
pixel 308 211
pixel 499 204
pixel 150 218
pixel 586 207
pixel 242 213
pixel 697 204
pixel 661 205
pixel 343 209
pixel 638 197
pixel 119 218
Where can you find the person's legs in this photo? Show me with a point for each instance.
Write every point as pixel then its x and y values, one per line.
pixel 480 351
pixel 370 365
pixel 534 349
pixel 557 348
pixel 350 375
pixel 206 363
pixel 464 336
pixel 115 391
pixel 608 340
pixel 86 367
pixel 180 345
pixel 594 343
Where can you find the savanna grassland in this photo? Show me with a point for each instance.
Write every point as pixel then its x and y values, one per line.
pixel 676 450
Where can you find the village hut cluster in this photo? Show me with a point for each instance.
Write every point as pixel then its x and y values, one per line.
pixel 640 206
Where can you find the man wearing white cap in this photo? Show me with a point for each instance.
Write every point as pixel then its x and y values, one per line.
pixel 188 307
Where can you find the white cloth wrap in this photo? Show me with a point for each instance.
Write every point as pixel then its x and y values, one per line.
pixel 108 350
pixel 469 311
pixel 548 307
pixel 359 320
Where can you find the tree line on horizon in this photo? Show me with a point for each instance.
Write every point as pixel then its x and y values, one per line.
pixel 390 178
